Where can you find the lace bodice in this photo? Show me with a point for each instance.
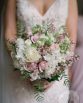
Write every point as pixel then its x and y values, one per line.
pixel 57 13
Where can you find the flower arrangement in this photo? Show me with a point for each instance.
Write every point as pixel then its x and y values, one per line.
pixel 41 54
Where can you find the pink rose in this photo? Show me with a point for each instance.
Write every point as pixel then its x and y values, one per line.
pixel 34 38
pixel 43 65
pixel 32 66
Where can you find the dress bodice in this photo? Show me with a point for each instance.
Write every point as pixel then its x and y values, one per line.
pixel 57 13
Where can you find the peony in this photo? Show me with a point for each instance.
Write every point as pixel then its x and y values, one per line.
pixel 31 54
pixel 43 65
pixel 20 43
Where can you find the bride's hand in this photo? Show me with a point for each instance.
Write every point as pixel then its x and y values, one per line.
pixel 47 85
pixel 42 84
pixel 10 38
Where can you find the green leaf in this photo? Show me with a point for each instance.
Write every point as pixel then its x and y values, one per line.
pixel 36 29
pixel 53 78
pixel 39 96
pixel 21 29
pixel 64 46
pixel 25 74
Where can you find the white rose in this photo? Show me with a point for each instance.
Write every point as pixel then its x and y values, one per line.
pixel 32 54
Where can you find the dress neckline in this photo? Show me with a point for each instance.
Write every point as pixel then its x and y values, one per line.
pixel 47 11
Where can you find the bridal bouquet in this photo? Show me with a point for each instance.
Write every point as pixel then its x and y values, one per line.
pixel 41 54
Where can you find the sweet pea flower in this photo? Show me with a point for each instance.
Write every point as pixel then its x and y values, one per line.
pixel 34 38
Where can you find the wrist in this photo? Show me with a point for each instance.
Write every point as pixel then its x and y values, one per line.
pixel 10 38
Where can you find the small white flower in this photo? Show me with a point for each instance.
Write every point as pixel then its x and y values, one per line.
pixel 20 46
pixel 20 43
pixel 67 39
pixel 35 75
pixel 16 63
pixel 61 30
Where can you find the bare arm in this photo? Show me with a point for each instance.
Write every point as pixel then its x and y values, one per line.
pixel 72 27
pixel 72 21
pixel 10 20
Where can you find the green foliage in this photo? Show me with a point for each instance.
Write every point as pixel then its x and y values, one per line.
pixel 39 96
pixel 54 78
pixel 64 46
pixel 39 87
pixel 11 47
pixel 25 74
pixel 65 76
pixel 21 32
pixel 50 40
pixel 36 29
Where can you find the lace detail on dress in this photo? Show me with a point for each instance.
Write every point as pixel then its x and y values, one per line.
pixel 63 13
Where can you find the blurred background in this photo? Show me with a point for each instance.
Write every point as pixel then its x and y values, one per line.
pixel 3 68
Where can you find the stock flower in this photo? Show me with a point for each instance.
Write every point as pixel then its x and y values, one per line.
pixel 20 48
pixel 20 43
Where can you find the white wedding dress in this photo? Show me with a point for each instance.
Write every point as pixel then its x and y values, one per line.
pixel 22 91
